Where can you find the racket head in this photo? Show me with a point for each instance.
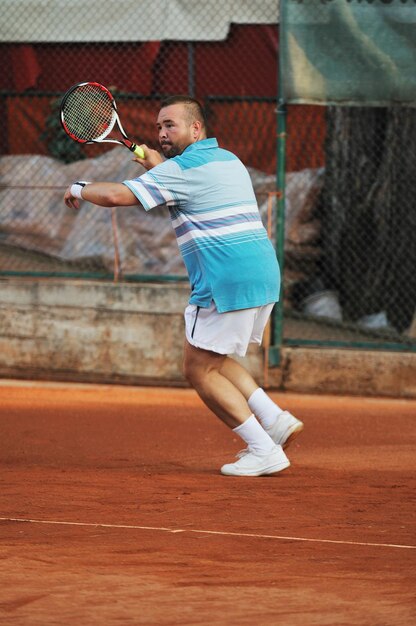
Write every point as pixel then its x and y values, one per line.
pixel 88 112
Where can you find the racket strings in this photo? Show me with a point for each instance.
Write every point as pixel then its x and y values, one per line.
pixel 88 113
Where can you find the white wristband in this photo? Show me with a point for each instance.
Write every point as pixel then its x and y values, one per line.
pixel 76 188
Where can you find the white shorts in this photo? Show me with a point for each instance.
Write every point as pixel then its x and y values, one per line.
pixel 225 333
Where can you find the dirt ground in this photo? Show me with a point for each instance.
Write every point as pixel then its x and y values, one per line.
pixel 113 511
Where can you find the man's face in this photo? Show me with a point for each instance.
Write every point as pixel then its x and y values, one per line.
pixel 176 131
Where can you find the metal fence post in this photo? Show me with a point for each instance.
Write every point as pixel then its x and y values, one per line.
pixel 277 322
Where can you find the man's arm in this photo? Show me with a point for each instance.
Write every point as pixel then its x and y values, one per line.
pixel 110 194
pixel 103 194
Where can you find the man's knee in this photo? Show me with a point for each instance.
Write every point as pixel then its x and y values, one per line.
pixel 194 371
pixel 198 363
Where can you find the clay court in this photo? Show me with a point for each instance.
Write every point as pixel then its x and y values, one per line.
pixel 113 511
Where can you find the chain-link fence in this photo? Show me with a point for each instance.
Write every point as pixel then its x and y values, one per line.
pixel 348 197
pixel 350 254
pixel 224 54
pixel 350 245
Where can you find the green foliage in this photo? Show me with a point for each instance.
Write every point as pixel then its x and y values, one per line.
pixel 59 145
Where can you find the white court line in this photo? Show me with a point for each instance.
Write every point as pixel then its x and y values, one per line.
pixel 207 532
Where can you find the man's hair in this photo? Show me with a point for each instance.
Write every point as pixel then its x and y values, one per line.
pixel 194 108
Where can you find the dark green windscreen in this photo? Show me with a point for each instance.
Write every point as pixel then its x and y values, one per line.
pixel 348 51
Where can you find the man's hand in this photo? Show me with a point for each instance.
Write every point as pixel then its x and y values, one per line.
pixel 70 200
pixel 151 157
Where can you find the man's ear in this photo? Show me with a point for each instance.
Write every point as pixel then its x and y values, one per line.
pixel 196 129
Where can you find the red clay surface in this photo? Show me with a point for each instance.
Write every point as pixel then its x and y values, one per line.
pixel 142 529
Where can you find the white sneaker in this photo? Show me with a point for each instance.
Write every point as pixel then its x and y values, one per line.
pixel 256 464
pixel 285 429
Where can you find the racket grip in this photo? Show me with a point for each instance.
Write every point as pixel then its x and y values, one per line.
pixel 137 151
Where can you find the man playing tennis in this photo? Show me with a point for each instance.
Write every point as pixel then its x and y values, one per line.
pixel 232 267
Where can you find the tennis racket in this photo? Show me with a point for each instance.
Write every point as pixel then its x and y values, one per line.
pixel 89 114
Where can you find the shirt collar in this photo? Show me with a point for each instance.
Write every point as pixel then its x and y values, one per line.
pixel 203 144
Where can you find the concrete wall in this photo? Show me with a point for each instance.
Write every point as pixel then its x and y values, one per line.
pixel 77 330
pixel 133 333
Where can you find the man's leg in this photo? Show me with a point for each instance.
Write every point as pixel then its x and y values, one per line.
pixel 238 376
pixel 263 456
pixel 282 426
pixel 202 369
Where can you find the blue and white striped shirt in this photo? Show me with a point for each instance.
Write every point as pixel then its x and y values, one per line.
pixel 214 213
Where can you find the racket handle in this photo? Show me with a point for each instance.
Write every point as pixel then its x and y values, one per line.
pixel 137 151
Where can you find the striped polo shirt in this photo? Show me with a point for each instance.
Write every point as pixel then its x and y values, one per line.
pixel 218 227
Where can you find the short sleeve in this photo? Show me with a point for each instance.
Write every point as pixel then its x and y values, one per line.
pixel 164 184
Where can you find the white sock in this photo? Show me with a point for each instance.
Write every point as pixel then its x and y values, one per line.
pixel 254 435
pixel 264 408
